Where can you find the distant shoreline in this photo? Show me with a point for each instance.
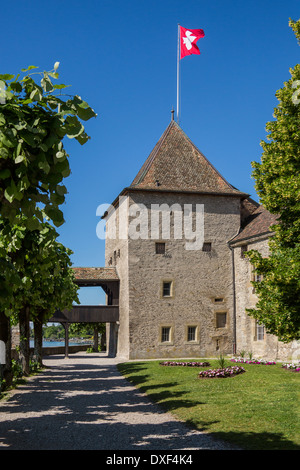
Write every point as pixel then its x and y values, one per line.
pixel 54 343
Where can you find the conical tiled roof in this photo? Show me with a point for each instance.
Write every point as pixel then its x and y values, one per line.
pixel 175 164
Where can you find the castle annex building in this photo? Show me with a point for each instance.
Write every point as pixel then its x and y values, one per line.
pixel 176 239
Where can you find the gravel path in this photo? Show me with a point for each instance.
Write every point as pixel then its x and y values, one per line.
pixel 83 403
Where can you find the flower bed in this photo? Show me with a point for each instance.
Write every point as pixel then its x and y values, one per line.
pixel 186 364
pixel 221 373
pixel 253 361
pixel 292 366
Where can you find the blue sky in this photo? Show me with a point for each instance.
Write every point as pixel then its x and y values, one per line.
pixel 121 57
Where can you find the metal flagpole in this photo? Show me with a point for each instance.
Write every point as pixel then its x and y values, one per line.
pixel 178 59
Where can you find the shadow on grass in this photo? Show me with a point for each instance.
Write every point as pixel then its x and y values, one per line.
pixel 257 441
pixel 166 398
pixel 173 401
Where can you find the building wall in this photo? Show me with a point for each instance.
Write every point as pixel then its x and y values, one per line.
pixel 269 347
pixel 116 254
pixel 198 279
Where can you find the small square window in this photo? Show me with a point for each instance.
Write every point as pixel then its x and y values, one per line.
pixel 165 334
pixel 160 248
pixel 206 246
pixel 167 289
pixel 219 300
pixel 191 333
pixel 221 319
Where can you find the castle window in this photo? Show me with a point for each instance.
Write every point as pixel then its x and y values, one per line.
pixel 244 248
pixel 191 333
pixel 260 332
pixel 167 289
pixel 256 278
pixel 221 319
pixel 166 334
pixel 206 246
pixel 160 248
pixel 219 299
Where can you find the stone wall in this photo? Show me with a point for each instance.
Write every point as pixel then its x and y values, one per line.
pixel 116 254
pixel 198 279
pixel 247 340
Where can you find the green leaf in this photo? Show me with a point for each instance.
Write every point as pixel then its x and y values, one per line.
pixel 46 84
pixel 28 138
pixel 83 138
pixel 15 86
pixel 73 127
pixel 84 111
pixel 19 159
pixel 53 74
pixel 32 223
pixel 9 139
pixel 61 155
pixel 61 190
pixel 4 153
pixel 55 215
pixel 10 192
pixel 6 76
pixel 60 87
pixel 44 165
pixel 36 95
pixel 5 174
pixel 28 101
pixel 29 68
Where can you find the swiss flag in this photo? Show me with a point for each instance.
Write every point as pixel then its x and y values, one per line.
pixel 188 39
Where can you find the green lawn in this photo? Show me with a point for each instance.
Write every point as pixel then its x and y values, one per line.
pixel 258 409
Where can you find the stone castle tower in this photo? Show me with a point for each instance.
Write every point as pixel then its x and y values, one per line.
pixel 168 236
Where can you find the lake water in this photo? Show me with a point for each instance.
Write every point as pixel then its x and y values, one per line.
pixel 53 344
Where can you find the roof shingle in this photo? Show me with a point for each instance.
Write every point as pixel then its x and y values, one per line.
pixel 256 224
pixel 176 164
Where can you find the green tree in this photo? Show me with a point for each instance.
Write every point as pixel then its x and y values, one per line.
pixel 90 328
pixel 277 179
pixel 47 284
pixel 34 119
pixel 55 332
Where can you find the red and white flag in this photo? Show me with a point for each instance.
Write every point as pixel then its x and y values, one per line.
pixel 188 39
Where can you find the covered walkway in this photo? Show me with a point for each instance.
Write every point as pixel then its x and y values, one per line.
pixel 108 280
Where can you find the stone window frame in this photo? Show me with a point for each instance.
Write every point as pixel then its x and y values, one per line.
pixel 259 331
pixel 163 281
pixel 244 248
pixel 197 333
pixel 254 276
pixel 170 327
pixel 221 312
